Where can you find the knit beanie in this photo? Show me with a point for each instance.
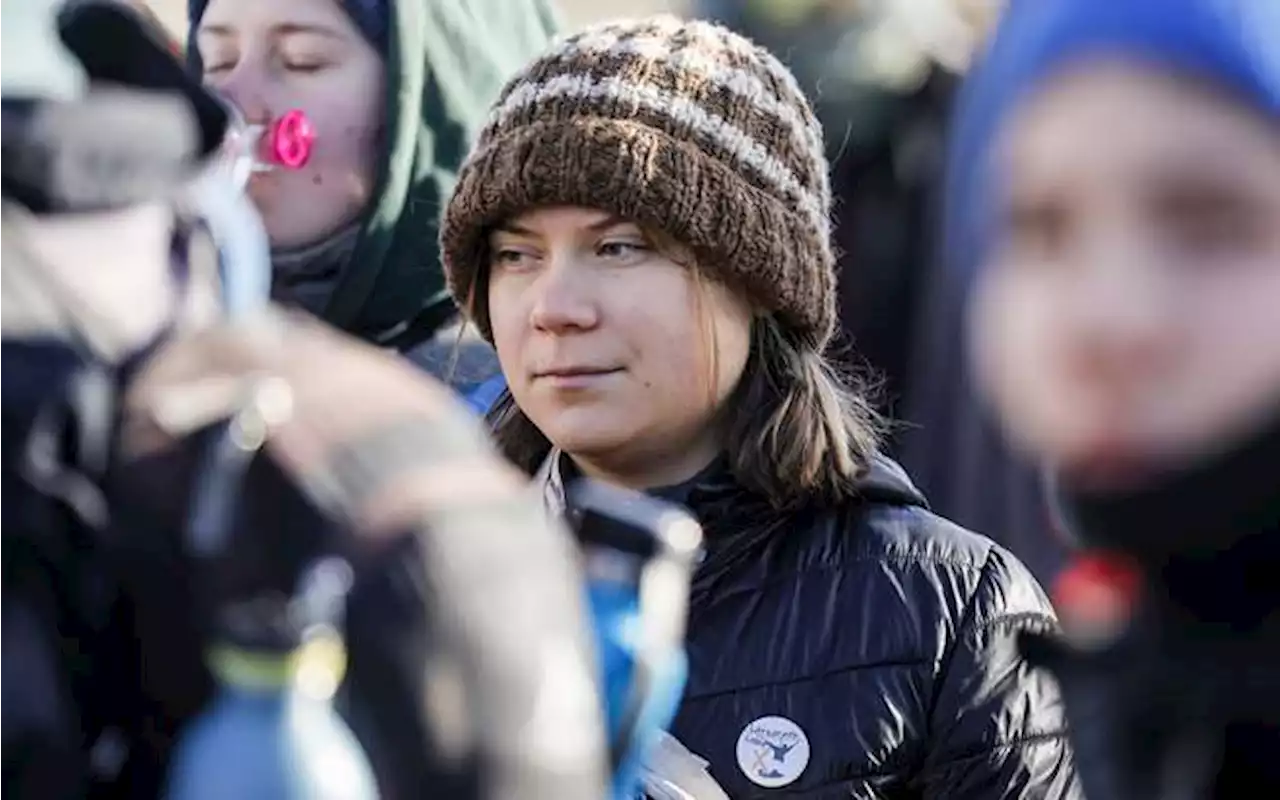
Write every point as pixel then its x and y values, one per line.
pixel 1234 44
pixel 682 126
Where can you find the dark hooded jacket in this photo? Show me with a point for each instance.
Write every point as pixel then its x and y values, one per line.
pixel 880 631
pixel 446 61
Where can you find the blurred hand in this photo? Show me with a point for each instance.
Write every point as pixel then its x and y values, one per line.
pixel 476 633
pixel 311 394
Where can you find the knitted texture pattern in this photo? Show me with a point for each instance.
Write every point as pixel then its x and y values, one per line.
pixel 680 125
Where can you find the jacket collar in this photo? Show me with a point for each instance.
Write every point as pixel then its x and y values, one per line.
pixel 549 480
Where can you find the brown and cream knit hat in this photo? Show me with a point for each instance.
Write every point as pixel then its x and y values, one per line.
pixel 684 126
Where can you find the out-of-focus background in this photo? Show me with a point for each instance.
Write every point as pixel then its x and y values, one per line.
pixel 576 12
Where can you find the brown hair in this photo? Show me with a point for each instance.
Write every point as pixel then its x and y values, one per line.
pixel 797 431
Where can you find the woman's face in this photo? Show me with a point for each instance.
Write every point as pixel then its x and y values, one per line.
pixel 618 353
pixel 272 57
pixel 1130 314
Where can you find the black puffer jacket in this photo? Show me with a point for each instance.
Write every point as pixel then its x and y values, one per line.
pixel 877 637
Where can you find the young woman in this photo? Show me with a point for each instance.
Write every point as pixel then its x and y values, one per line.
pixel 642 232
pixel 1124 181
pixel 394 89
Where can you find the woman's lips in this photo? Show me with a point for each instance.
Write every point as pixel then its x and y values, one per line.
pixel 576 377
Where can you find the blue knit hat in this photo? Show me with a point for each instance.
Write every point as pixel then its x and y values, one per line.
pixel 1233 43
pixel 372 17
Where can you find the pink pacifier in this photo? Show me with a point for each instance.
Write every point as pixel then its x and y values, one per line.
pixel 288 142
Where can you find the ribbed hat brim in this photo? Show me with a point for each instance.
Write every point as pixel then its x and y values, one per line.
pixel 745 237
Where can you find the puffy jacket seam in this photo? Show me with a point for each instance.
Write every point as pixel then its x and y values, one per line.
pixel 915 558
pixel 957 563
pixel 1025 740
pixel 1016 618
pixel 833 782
pixel 895 664
pixel 966 621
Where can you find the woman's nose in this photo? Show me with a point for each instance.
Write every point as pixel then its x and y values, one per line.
pixel 564 299
pixel 243 89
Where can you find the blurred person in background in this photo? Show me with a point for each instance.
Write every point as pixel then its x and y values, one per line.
pixel 883 76
pixel 1118 181
pixel 642 230
pixel 395 90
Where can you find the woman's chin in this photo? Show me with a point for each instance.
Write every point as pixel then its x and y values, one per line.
pixel 589 444
pixel 283 237
pixel 588 432
pixel 287 232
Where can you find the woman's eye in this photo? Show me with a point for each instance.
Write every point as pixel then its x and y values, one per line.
pixel 511 259
pixel 299 59
pixel 305 54
pixel 305 67
pixel 622 249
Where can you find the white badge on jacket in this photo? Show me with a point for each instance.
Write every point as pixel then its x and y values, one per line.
pixel 773 752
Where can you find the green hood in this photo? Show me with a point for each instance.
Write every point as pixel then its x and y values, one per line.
pixel 446 62
pixel 448 59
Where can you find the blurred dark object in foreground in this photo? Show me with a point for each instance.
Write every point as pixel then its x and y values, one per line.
pixel 120 371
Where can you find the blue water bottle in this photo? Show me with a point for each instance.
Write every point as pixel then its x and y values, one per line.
pixel 639 554
pixel 271 731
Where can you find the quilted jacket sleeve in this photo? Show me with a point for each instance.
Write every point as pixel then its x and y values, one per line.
pixel 997 725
